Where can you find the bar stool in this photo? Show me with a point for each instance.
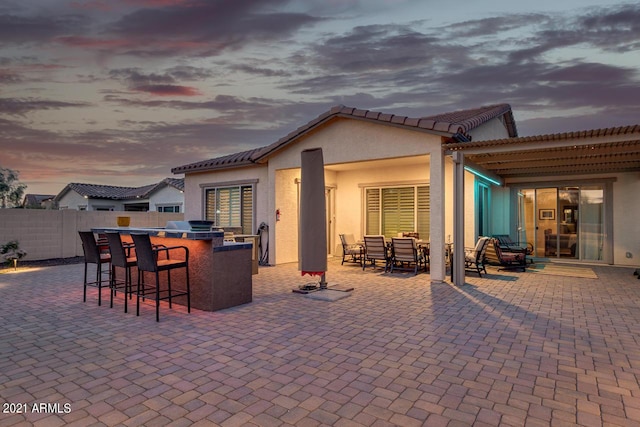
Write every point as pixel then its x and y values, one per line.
pixel 93 255
pixel 147 260
pixel 120 257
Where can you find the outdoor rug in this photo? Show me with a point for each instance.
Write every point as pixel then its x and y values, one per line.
pixel 567 270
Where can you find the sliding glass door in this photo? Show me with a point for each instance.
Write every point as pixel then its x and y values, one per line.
pixel 563 222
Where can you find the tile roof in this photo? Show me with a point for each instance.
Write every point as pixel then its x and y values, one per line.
pixel 243 158
pixel 112 192
pixel 451 124
pixel 36 199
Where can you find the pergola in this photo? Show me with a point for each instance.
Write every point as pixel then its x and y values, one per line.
pixel 510 160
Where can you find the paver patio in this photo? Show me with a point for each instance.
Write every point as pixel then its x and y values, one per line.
pixel 512 349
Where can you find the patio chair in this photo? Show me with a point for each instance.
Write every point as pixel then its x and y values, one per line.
pixel 375 249
pixel 404 251
pixel 93 255
pixel 509 260
pixel 507 244
pixel 121 257
pixel 475 257
pixel 350 249
pixel 147 260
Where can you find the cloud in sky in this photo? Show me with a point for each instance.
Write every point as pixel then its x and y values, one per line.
pixel 119 92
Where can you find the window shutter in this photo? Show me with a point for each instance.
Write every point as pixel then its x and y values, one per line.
pixel 247 210
pixel 372 211
pixel 423 214
pixel 397 210
pixel 210 208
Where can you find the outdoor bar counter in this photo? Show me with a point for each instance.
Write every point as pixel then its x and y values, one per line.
pixel 219 272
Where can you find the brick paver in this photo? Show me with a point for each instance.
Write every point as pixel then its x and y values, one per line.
pixel 505 349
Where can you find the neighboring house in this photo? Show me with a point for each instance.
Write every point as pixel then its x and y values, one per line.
pixel 386 174
pixel 165 196
pixel 38 201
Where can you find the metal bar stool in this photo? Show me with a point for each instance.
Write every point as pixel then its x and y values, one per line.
pixel 147 260
pixel 93 255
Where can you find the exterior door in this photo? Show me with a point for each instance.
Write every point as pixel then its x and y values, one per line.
pixel 330 217
pixel 563 222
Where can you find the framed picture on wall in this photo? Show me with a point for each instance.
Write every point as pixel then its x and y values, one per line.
pixel 547 214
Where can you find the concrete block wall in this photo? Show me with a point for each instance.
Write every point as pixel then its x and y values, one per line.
pixel 47 234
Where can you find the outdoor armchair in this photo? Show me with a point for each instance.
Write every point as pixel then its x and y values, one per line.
pixel 405 252
pixel 475 257
pixel 351 251
pixel 375 249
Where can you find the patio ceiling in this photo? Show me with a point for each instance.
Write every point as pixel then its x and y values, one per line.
pixel 611 150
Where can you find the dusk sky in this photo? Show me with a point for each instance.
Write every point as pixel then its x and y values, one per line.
pixel 118 92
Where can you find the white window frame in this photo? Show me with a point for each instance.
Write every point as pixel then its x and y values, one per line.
pixel 215 187
pixel 417 227
pixel 178 206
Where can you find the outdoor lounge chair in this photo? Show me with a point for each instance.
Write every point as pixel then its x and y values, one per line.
pixel 405 252
pixel 93 255
pixel 375 249
pixel 351 251
pixel 475 257
pixel 509 260
pixel 510 246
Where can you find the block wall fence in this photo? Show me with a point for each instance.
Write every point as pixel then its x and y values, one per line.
pixel 48 234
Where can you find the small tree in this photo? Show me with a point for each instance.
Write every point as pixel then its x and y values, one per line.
pixel 11 190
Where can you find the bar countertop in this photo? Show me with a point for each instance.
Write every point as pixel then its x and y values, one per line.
pixel 164 232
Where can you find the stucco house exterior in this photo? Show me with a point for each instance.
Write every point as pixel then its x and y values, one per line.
pixel 164 196
pixel 434 175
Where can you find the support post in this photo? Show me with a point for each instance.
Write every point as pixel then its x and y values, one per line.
pixel 437 266
pixel 458 218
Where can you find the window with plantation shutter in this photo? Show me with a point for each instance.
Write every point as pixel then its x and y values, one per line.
pixel 393 210
pixel 230 207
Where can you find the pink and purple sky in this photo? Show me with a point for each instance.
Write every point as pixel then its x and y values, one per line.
pixel 118 92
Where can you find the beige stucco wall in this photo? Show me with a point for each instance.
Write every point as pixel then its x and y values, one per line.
pixel 345 141
pixel 167 195
pixel 47 234
pixel 626 226
pixel 493 129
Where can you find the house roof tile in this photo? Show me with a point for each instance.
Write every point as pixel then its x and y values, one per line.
pixel 112 192
pixel 36 199
pixel 457 122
